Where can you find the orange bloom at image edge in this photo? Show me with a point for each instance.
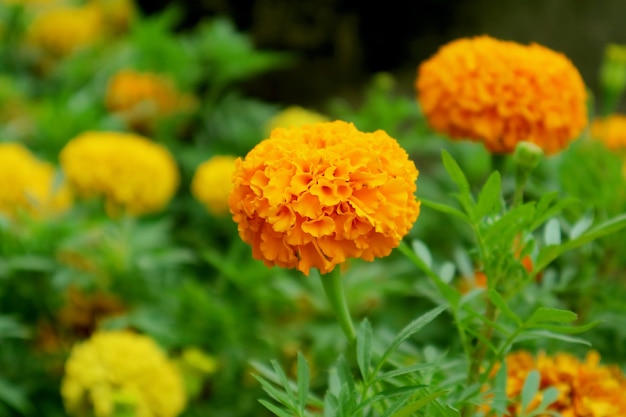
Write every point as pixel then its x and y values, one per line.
pixel 316 195
pixel 586 388
pixel 501 93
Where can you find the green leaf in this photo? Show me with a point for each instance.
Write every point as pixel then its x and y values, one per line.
pixel 581 226
pixel 552 232
pixel 284 381
pixel 568 329
pixel 548 396
pixel 530 389
pixel 546 314
pixel 446 209
pixel 407 391
pixel 455 172
pixel 499 391
pixel 412 328
pixel 275 409
pixel 364 348
pixel 489 196
pixel 538 334
pixel 274 392
pixel 409 409
pixel 14 396
pixel 543 213
pixel 510 224
pixel 405 370
pixel 499 302
pixel 550 253
pixel 303 381
pixel 421 250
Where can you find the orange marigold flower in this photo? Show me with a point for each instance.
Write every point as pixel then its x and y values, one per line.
pixel 502 93
pixel 131 172
pixel 141 98
pixel 315 195
pixel 586 388
pixel 611 131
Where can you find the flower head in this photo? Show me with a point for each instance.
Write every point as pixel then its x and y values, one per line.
pixel 294 116
pixel 212 183
pixel 611 131
pixel 141 98
pixel 29 184
pixel 129 171
pixel 586 388
pixel 313 196
pixel 501 93
pixel 61 31
pixel 116 369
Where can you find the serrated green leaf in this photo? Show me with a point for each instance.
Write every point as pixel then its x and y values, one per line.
pixel 543 212
pixel 537 334
pixel 530 389
pixel 284 381
pixel 499 302
pixel 489 197
pixel 567 329
pixel 455 172
pixel 389 393
pixel 274 392
pixel 409 409
pixel 364 348
pixel 500 402
pixel 275 409
pixel 446 209
pixel 303 381
pixel 404 371
pixel 412 328
pixel 510 224
pixel 546 314
pixel 550 253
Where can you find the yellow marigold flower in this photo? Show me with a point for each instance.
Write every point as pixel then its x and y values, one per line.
pixel 212 183
pixel 121 369
pixel 117 14
pixel 501 93
pixel 131 172
pixel 313 196
pixel 611 131
pixel 29 184
pixel 141 98
pixel 294 116
pixel 63 30
pixel 586 388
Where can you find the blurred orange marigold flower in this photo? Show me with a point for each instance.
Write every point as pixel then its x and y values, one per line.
pixel 26 183
pixel 131 172
pixel 502 93
pixel 141 98
pixel 611 131
pixel 586 388
pixel 212 183
pixel 316 195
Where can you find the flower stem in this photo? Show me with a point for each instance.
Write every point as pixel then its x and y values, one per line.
pixel 333 287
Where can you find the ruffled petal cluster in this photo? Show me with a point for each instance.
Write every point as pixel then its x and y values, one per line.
pixel 212 183
pixel 586 388
pixel 611 131
pixel 501 93
pixel 120 370
pixel 316 195
pixel 132 173
pixel 294 116
pixel 29 184
pixel 141 98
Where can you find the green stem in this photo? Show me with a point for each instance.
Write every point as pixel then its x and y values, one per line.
pixel 333 287
pixel 520 182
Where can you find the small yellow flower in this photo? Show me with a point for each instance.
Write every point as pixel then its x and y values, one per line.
pixel 131 172
pixel 501 93
pixel 294 116
pixel 120 369
pixel 611 131
pixel 29 184
pixel 117 15
pixel 586 388
pixel 212 183
pixel 316 195
pixel 63 30
pixel 142 98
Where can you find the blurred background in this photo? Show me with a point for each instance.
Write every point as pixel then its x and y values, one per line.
pixel 342 42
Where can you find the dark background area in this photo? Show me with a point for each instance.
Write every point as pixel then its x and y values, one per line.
pixel 341 43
